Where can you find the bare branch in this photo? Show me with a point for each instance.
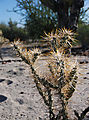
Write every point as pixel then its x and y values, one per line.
pixel 52 4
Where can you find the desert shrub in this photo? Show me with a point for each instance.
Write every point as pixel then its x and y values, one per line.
pixel 83 35
pixel 2 39
pixel 36 26
pixel 4 29
pixel 12 32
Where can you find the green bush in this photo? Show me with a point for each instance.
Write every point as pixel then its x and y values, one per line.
pixel 12 32
pixel 36 27
pixel 83 35
pixel 38 18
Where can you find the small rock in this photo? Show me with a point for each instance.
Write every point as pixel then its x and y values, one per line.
pixel 3 62
pixel 21 69
pixel 85 78
pixel 20 101
pixel 30 108
pixel 12 72
pixel 21 92
pixel 81 62
pixel 86 62
pixel 9 82
pixel 8 60
pixel 40 118
pixel 2 98
pixel 1 80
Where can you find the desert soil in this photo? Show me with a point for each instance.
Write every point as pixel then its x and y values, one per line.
pixel 19 97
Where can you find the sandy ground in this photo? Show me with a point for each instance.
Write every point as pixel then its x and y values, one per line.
pixel 19 98
pixel 22 100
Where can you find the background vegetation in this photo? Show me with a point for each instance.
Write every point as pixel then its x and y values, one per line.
pixel 11 31
pixel 39 18
pixel 83 34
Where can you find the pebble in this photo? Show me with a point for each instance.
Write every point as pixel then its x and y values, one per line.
pixel 9 82
pixel 20 101
pixel 1 80
pixel 2 98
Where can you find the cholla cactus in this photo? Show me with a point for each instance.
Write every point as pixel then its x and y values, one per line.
pixel 59 84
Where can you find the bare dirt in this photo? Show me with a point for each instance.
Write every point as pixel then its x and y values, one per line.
pixel 19 97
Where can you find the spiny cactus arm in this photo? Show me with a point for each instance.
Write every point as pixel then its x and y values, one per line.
pixel 81 117
pixel 61 80
pixel 35 57
pixel 43 81
pixel 59 115
pixel 37 79
pixel 77 115
pixel 54 65
pixel 84 113
pixel 69 87
pixel 41 92
pixel 51 116
pixel 62 97
pixel 72 74
pixel 35 54
pixel 62 75
pixel 51 70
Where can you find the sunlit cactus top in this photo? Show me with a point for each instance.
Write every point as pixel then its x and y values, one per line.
pixel 61 39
